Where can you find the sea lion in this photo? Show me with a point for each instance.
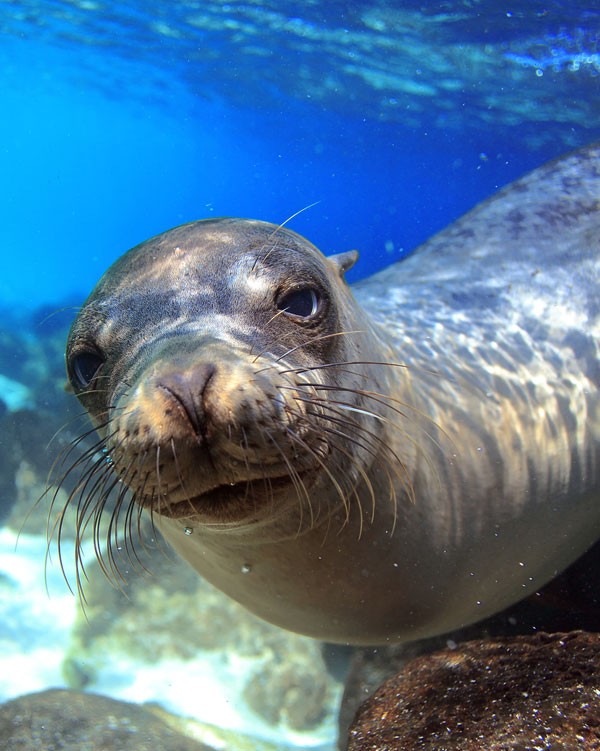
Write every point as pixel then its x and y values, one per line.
pixel 363 465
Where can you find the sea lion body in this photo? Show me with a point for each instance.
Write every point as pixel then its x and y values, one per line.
pixel 369 465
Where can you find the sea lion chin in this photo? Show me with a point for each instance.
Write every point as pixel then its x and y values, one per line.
pixel 369 465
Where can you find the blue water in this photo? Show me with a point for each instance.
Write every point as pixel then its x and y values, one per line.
pixel 120 120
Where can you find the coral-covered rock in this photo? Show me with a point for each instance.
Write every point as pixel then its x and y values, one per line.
pixel 514 694
pixel 73 721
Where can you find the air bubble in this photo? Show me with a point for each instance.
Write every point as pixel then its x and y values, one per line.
pixel 246 568
pixel 188 531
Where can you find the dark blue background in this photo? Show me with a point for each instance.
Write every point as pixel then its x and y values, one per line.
pixel 87 171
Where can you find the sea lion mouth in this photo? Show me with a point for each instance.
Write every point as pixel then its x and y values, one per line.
pixel 237 499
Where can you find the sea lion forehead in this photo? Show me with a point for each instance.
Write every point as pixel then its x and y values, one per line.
pixel 203 267
pixel 192 251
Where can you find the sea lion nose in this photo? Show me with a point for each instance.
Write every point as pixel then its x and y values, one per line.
pixel 187 389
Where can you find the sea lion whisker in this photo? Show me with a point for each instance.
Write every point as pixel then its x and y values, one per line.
pixel 51 481
pixel 124 500
pixel 91 454
pixel 96 391
pixel 90 504
pixel 161 494
pixel 382 396
pixel 180 478
pixel 369 441
pixel 274 317
pixel 353 490
pixel 277 229
pixel 135 513
pixel 245 454
pixel 92 501
pixel 112 539
pixel 89 472
pixel 91 511
pixel 297 481
pixel 355 493
pixel 334 481
pixel 344 363
pixel 53 487
pixel 272 365
pixel 56 312
pixel 411 439
pixel 403 476
pixel 307 374
pixel 96 519
pixel 314 340
pixel 150 507
pixel 266 480
pixel 50 532
pixel 299 487
pixel 372 444
pixel 359 410
pixel 95 462
pixel 155 538
pixel 57 530
pixel 413 367
pixel 389 402
pixel 79 416
pixel 341 417
pixel 131 522
pixel 126 477
pixel 269 493
pixel 61 459
pixel 268 351
pixel 99 445
pixel 293 383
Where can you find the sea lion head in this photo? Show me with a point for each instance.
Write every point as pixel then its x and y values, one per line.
pixel 206 358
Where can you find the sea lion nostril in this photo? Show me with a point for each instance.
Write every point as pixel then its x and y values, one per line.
pixel 187 389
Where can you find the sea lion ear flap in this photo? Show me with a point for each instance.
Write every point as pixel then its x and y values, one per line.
pixel 344 261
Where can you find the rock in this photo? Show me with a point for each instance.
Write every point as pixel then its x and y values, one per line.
pixel 520 693
pixel 58 720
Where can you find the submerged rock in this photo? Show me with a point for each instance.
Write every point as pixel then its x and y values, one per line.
pixel 58 720
pixel 513 694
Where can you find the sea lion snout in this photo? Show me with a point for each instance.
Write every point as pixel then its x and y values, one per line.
pixel 230 416
pixel 187 392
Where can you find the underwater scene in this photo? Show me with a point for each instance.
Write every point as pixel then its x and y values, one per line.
pixel 364 126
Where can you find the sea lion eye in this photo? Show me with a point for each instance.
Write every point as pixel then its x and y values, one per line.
pixel 301 303
pixel 83 368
